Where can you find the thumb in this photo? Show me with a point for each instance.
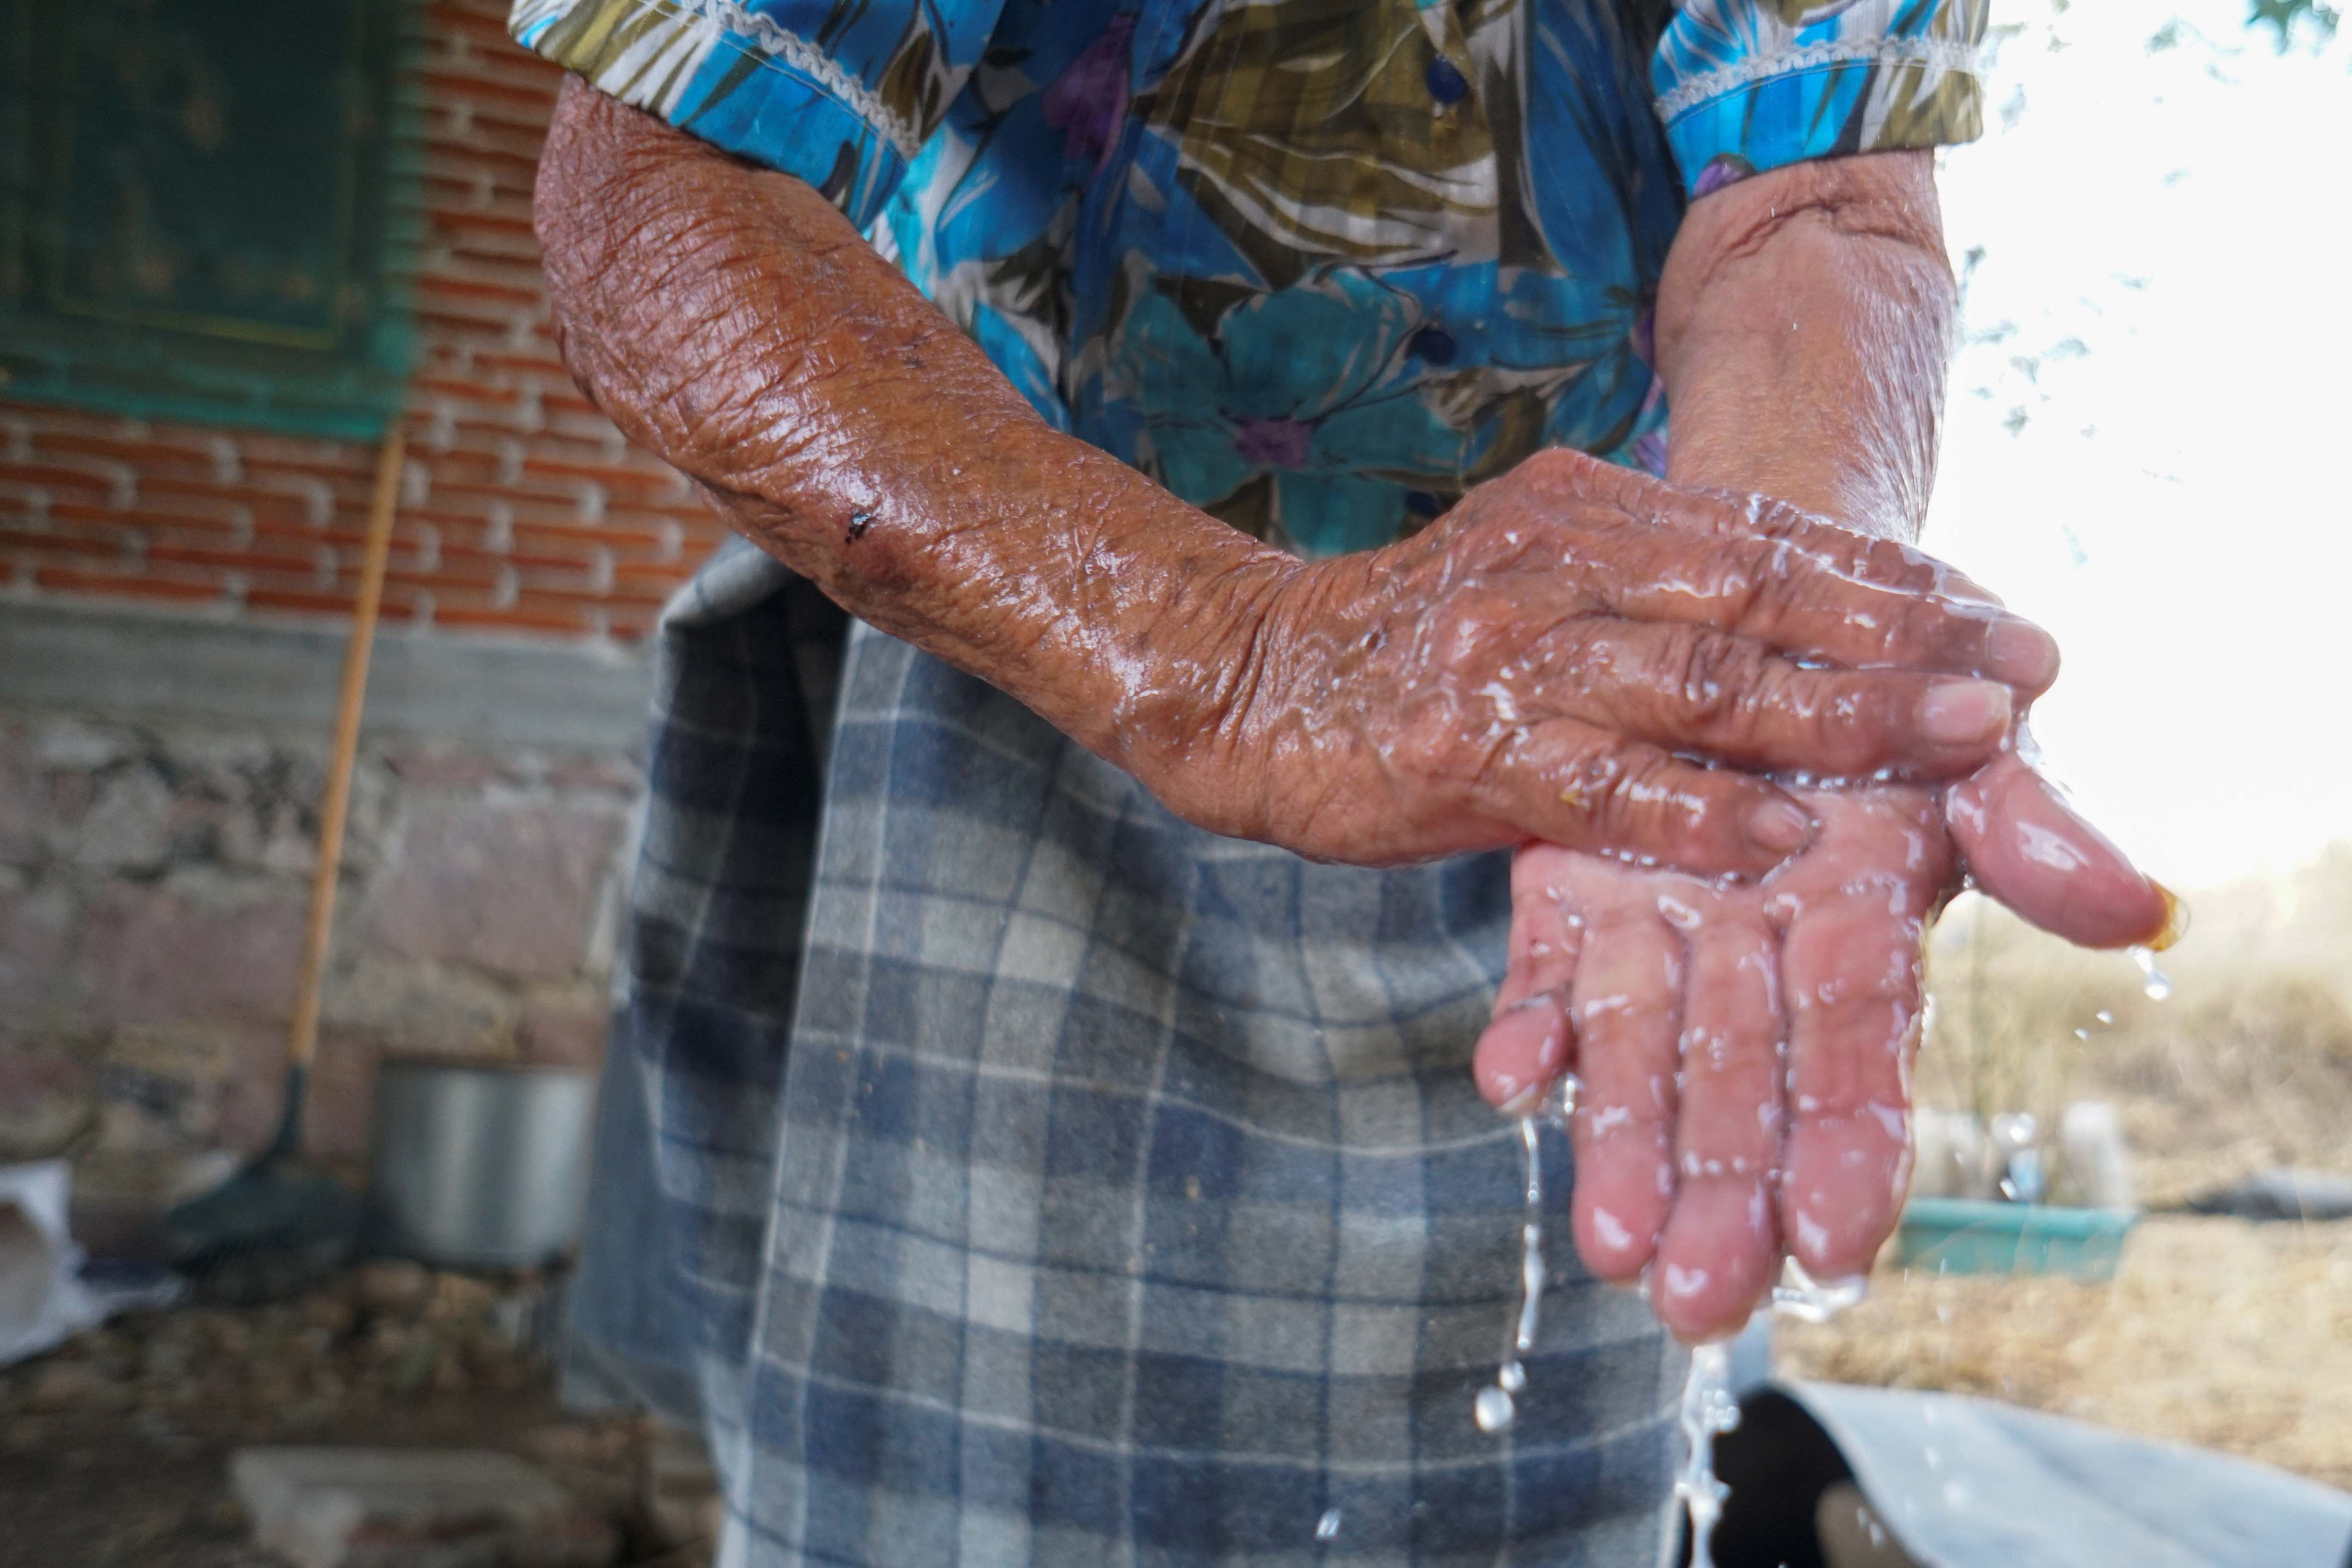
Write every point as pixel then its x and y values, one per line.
pixel 2027 848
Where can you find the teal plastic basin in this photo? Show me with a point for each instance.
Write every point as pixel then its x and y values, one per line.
pixel 1962 1235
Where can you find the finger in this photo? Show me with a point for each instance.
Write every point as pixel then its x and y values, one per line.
pixel 1851 968
pixel 1529 1042
pixel 1572 785
pixel 2031 851
pixel 1688 687
pixel 1626 1000
pixel 1889 562
pixel 1849 552
pixel 1774 591
pixel 1723 1240
pixel 1868 600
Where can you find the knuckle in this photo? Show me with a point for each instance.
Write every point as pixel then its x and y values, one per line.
pixel 1850 727
pixel 1715 678
pixel 1758 582
pixel 1636 793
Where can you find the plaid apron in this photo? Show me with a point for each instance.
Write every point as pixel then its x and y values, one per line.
pixel 1004 1172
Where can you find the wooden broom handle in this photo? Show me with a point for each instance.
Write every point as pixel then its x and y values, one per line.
pixel 302 1037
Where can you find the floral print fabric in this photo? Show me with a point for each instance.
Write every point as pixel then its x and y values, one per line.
pixel 1318 265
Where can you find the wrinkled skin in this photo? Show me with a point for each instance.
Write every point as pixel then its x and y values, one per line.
pixel 1533 671
pixel 1531 665
pixel 1743 1050
pixel 1523 669
pixel 1801 328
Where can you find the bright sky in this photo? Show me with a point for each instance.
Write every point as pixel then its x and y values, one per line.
pixel 2169 236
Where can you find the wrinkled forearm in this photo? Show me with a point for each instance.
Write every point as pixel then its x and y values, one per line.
pixel 731 320
pixel 1804 324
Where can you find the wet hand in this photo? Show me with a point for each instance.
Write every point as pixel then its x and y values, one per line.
pixel 1743 1050
pixel 1543 661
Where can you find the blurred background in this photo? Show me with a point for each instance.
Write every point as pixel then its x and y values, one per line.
pixel 228 270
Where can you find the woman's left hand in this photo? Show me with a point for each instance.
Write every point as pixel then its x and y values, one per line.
pixel 1744 1049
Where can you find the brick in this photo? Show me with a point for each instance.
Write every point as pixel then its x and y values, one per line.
pixel 567 1032
pixel 413 1507
pixel 39 930
pixel 46 1100
pixel 625 625
pixel 509 107
pixel 399 605
pixel 451 768
pixel 554 622
pixel 607 775
pixel 443 286
pixel 513 891
pixel 56 477
pixel 59 579
pixel 421 1006
pixel 299 563
pixel 154 955
pixel 69 545
pixel 203 514
pixel 244 1096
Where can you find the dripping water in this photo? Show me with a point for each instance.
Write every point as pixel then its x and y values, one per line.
pixel 1809 1300
pixel 1496 1406
pixel 1708 1410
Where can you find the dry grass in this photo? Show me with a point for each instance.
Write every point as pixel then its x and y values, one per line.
pixel 2221 1332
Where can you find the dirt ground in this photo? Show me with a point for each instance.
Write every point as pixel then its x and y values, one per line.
pixel 2225 1332
pixel 2228 1333
pixel 114 1449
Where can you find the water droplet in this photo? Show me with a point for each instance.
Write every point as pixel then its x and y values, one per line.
pixel 1494 1411
pixel 1328 1527
pixel 2154 983
pixel 2104 1016
pixel 1809 1300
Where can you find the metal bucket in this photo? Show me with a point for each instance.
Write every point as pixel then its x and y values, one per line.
pixel 478 1164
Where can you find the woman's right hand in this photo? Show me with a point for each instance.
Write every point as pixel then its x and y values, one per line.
pixel 1544 662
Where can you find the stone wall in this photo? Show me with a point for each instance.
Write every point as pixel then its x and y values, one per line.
pixel 171 603
pixel 155 873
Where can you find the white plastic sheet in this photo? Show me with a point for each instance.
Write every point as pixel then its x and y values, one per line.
pixel 43 1301
pixel 1972 1483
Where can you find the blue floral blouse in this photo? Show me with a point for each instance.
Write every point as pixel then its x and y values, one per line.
pixel 1318 265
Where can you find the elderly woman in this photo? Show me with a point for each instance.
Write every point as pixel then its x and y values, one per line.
pixel 1210 503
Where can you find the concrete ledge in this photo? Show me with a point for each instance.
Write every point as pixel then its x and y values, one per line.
pixel 428 685
pixel 414 1508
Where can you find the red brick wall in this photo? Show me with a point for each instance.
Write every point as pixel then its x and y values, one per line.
pixel 523 509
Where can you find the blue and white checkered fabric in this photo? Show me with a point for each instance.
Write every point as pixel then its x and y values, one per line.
pixel 1006 1173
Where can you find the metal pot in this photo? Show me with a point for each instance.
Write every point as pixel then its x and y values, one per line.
pixel 478 1164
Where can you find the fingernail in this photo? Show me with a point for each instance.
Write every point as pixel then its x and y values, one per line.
pixel 1779 826
pixel 2021 653
pixel 1523 1103
pixel 1960 712
pixel 2176 917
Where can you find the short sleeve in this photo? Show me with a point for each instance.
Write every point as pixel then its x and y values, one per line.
pixel 840 92
pixel 1746 85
